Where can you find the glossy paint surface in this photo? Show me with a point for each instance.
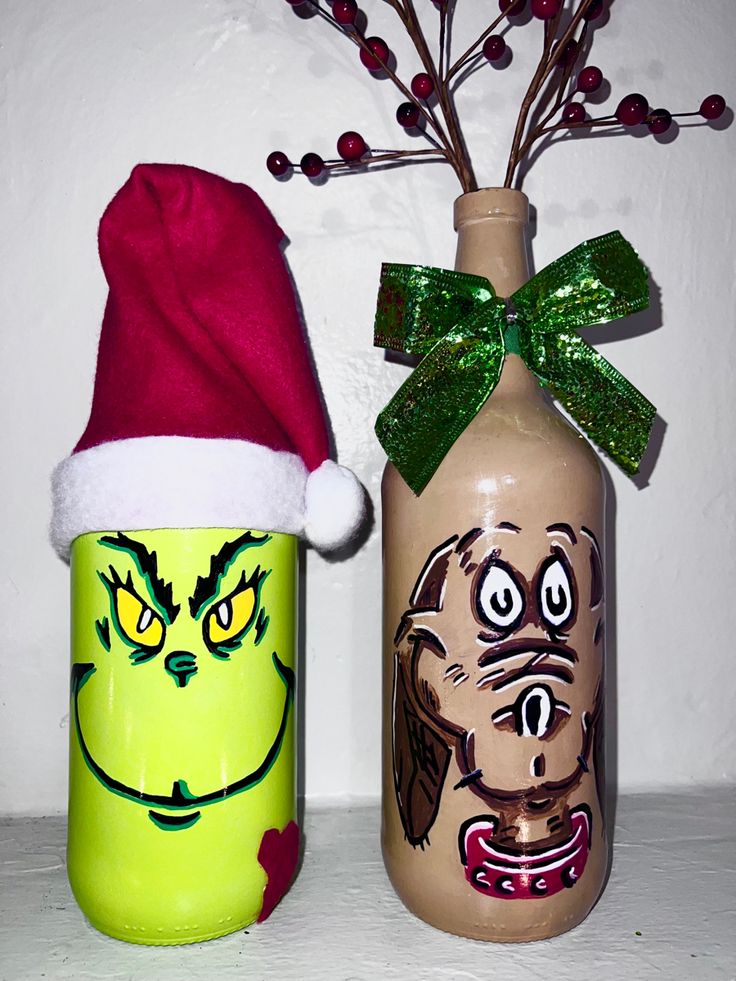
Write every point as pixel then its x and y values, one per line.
pixel 181 727
pixel 493 651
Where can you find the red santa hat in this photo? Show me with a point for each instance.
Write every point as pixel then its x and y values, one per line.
pixel 206 411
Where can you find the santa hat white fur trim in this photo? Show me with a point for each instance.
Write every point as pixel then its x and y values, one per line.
pixel 183 482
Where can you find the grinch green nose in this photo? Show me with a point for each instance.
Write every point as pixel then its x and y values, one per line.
pixel 181 665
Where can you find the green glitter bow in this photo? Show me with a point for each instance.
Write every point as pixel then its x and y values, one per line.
pixel 463 331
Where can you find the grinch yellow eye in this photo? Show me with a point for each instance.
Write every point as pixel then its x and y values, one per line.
pixel 230 617
pixel 137 621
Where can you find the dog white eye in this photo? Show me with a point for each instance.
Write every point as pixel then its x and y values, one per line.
pixel 556 600
pixel 500 598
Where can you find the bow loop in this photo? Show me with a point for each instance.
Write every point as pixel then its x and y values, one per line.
pixel 463 331
pixel 597 281
pixel 417 305
pixel 599 398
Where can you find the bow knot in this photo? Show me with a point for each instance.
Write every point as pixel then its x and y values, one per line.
pixel 463 331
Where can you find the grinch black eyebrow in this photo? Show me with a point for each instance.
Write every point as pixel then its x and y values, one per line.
pixel 208 585
pixel 147 564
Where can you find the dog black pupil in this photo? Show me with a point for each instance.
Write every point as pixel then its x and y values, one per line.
pixel 503 607
pixel 556 606
pixel 533 714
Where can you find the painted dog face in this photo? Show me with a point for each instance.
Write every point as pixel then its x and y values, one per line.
pixel 499 660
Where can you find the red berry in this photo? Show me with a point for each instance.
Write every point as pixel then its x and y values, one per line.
pixel 407 115
pixel 713 107
pixel 422 86
pixel 494 47
pixel 632 110
pixel 511 6
pixel 379 48
pixel 351 146
pixel 594 10
pixel 277 163
pixel 574 112
pixel 546 9
pixel 590 79
pixel 345 11
pixel 312 164
pixel 659 121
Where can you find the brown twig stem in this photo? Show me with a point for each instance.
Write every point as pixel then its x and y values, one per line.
pixel 358 38
pixel 441 60
pixel 381 156
pixel 467 55
pixel 560 100
pixel 464 167
pixel 551 54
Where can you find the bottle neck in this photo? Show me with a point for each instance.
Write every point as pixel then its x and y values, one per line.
pixel 491 237
pixel 491 242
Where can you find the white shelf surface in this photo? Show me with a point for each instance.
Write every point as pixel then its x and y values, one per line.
pixel 668 912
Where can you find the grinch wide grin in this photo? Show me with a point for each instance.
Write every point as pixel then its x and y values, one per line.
pixel 181 800
pixel 223 610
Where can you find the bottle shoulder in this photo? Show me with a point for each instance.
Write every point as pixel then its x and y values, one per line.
pixel 514 445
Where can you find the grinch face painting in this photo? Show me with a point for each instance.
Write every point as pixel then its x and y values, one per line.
pixel 182 780
pixel 499 663
pixel 182 691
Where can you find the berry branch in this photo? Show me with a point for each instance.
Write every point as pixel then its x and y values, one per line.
pixel 464 167
pixel 570 54
pixel 429 106
pixel 507 10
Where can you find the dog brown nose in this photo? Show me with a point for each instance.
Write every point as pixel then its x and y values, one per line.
pixel 536 712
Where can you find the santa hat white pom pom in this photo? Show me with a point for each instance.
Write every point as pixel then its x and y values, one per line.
pixel 334 502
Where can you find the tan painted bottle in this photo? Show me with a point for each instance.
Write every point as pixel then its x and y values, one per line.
pixel 493 823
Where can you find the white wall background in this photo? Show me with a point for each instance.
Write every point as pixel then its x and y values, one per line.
pixel 90 87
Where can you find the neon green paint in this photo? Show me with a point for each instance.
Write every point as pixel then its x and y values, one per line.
pixel 101 626
pixel 172 785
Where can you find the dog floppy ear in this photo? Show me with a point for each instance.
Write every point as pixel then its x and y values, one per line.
pixel 421 754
